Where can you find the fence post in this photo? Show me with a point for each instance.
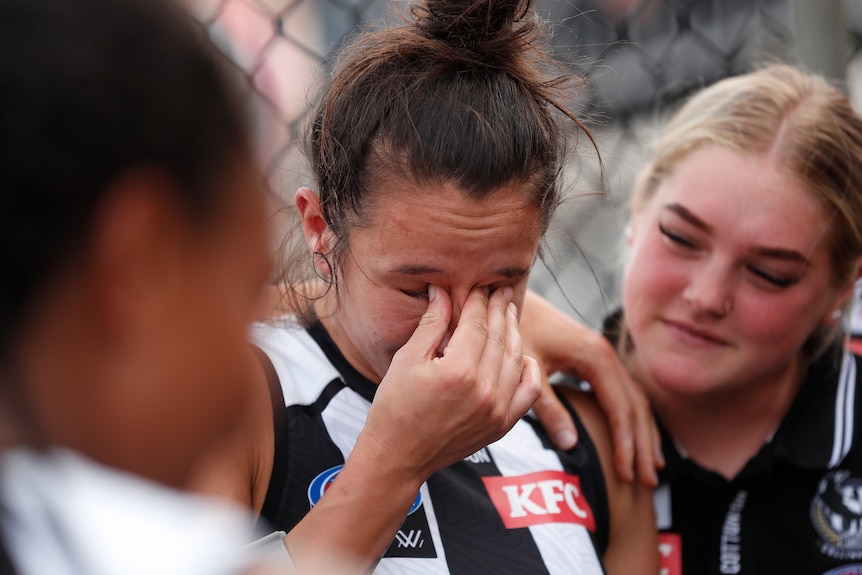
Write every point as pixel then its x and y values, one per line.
pixel 821 36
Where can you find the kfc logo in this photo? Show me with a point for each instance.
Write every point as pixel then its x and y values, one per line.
pixel 538 498
pixel 670 553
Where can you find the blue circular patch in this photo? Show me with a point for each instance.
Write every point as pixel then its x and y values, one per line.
pixel 321 483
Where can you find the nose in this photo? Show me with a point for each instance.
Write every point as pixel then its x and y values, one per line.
pixel 710 289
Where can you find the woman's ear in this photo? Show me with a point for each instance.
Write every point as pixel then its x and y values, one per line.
pixel 317 233
pixel 844 298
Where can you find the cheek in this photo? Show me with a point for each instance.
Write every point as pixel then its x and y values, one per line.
pixel 780 321
pixel 653 277
pixel 382 319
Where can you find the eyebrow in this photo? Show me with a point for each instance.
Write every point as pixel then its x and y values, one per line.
pixel 685 214
pixel 782 254
pixel 775 253
pixel 511 273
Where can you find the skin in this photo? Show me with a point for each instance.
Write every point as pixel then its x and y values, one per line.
pixel 729 275
pixel 150 325
pixel 561 344
pixel 582 353
pixel 454 398
pixel 124 339
pixel 431 240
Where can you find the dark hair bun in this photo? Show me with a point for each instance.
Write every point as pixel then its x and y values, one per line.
pixel 490 30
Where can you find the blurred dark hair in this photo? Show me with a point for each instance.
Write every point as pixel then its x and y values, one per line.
pixel 91 89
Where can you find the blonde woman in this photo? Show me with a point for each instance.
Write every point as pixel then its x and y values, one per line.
pixel 745 239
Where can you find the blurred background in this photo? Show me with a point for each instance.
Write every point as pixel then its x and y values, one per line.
pixel 638 58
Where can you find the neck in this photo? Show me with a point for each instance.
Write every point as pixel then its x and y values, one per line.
pixel 723 430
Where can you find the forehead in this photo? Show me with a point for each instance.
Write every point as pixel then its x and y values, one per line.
pixel 751 196
pixel 440 226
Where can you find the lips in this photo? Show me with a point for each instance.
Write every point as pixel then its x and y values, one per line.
pixel 694 335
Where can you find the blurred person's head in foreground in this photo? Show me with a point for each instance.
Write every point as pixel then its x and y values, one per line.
pixel 133 237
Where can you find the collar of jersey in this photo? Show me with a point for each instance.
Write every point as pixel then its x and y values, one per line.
pixel 807 433
pixel 349 374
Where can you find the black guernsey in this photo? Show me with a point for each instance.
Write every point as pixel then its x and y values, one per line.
pixel 796 506
pixel 516 506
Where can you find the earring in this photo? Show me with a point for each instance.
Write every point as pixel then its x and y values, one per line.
pixel 836 314
pixel 629 233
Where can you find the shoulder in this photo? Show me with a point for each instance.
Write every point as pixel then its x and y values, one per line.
pixel 632 543
pixel 299 363
pixel 72 515
pixel 593 420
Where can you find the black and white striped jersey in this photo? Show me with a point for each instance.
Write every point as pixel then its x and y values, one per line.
pixel 516 506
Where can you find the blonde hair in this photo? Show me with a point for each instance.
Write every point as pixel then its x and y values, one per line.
pixel 807 125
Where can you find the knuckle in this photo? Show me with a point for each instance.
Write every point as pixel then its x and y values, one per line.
pixel 465 373
pixel 600 345
pixel 480 326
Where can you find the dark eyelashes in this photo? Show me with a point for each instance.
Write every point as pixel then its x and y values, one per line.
pixel 676 238
pixel 416 294
pixel 774 280
pixel 780 282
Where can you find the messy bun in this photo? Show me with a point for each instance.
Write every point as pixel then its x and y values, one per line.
pixel 462 94
pixel 491 32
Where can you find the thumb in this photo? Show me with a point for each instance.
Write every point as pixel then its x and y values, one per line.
pixel 432 326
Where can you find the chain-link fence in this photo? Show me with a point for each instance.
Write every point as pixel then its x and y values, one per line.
pixel 639 58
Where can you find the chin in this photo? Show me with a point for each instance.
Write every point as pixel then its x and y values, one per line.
pixel 682 377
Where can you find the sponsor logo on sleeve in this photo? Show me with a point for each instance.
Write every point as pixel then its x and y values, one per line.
pixel 413 540
pixel 836 513
pixel 670 554
pixel 539 498
pixel 323 481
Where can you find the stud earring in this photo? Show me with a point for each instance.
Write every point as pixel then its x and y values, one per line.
pixel 629 233
pixel 836 314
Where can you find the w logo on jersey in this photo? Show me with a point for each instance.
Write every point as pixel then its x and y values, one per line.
pixel 538 498
pixel 411 539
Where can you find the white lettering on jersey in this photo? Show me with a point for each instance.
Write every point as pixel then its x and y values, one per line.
pixel 480 456
pixel 730 555
pixel 536 498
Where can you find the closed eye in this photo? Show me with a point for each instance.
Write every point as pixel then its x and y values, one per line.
pixel 676 238
pixel 777 281
pixel 416 294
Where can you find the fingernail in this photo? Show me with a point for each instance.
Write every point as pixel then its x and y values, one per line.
pixel 565 439
pixel 432 292
pixel 507 293
pixel 513 310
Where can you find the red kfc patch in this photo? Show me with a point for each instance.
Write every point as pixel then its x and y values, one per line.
pixel 538 498
pixel 670 554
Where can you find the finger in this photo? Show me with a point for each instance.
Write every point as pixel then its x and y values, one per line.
pixel 500 363
pixel 555 418
pixel 468 339
pixel 617 404
pixel 656 443
pixel 429 334
pixel 527 392
pixel 644 445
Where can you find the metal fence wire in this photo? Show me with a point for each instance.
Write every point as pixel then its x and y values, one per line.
pixel 638 57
